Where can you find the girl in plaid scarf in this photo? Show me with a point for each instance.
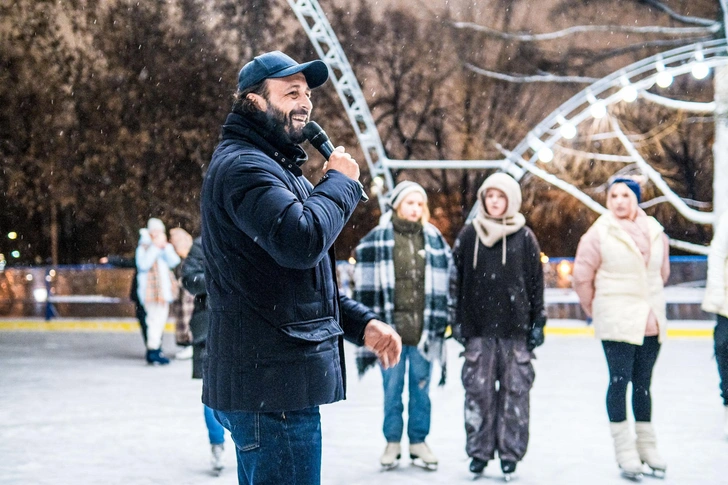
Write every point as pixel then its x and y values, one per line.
pixel 402 275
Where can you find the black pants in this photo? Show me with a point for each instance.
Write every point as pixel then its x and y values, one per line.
pixel 141 315
pixel 721 354
pixel 630 363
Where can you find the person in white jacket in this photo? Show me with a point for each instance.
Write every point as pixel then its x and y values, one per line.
pixel 620 269
pixel 716 301
pixel 155 258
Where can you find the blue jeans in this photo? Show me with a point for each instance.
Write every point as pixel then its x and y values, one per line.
pixel 418 424
pixel 276 448
pixel 214 429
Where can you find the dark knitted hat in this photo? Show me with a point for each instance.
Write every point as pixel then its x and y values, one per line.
pixel 633 185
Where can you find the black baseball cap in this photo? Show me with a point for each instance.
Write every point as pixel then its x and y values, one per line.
pixel 276 64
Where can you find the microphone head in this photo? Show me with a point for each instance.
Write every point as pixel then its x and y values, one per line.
pixel 315 134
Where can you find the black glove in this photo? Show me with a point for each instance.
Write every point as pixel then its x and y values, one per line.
pixel 535 338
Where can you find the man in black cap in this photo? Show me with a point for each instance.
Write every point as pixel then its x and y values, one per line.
pixel 277 321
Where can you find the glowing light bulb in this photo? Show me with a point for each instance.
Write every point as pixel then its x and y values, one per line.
pixel 598 110
pixel 545 154
pixel 664 79
pixel 628 93
pixel 700 70
pixel 568 131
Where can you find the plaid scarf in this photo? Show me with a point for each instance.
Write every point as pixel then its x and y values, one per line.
pixel 154 287
pixel 374 277
pixel 181 311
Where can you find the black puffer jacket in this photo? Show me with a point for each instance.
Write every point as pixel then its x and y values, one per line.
pixel 276 317
pixel 494 300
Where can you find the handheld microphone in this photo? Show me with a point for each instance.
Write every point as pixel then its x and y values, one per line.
pixel 320 141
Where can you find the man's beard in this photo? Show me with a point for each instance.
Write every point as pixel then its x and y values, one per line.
pixel 281 126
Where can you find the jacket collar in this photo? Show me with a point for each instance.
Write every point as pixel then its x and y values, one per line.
pixel 291 157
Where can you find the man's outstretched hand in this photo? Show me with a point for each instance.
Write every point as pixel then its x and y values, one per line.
pixel 381 339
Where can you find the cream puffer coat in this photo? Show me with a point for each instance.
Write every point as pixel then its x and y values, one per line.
pixel 625 288
pixel 716 290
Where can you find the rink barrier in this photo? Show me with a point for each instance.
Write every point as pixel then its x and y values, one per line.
pixel 568 328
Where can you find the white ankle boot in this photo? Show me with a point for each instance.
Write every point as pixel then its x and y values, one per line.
pixel 423 452
pixel 391 455
pixel 625 449
pixel 647 446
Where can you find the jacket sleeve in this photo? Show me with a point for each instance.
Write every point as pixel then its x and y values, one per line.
pixel 586 263
pixel 535 281
pixel 455 284
pixel 715 284
pixel 355 319
pixel 170 256
pixel 146 256
pixel 295 234
pixel 193 270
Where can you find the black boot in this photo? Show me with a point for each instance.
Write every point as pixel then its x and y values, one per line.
pixel 157 357
pixel 508 466
pixel 477 465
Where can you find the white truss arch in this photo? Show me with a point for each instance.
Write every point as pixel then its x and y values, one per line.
pixel 627 83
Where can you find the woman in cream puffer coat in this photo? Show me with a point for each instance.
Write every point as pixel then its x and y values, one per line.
pixel 716 301
pixel 621 266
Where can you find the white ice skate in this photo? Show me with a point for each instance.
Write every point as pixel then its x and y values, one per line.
pixel 647 449
pixel 626 450
pixel 391 456
pixel 725 425
pixel 422 456
pixel 216 460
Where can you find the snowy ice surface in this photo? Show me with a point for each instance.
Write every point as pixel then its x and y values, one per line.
pixel 84 408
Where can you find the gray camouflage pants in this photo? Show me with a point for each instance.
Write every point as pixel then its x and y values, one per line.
pixel 497 376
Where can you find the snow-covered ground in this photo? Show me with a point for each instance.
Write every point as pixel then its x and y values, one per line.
pixel 83 408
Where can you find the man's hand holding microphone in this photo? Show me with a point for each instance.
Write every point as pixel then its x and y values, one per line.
pixel 336 158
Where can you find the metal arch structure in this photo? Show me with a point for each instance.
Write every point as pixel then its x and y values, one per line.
pixel 327 46
pixel 638 78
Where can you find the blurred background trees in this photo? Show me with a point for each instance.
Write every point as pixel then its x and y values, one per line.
pixel 110 109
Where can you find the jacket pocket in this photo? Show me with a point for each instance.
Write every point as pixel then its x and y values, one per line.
pixel 316 331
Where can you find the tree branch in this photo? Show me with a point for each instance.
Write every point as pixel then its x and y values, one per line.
pixel 675 200
pixel 580 29
pixel 592 59
pixel 541 78
pixel 679 104
pixel 676 16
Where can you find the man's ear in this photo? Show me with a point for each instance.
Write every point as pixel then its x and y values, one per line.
pixel 257 100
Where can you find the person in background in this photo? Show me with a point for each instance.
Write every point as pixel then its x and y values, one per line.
pixel 716 301
pixel 122 262
pixel 496 292
pixel 157 286
pixel 193 281
pixel 401 273
pixel 182 307
pixel 620 269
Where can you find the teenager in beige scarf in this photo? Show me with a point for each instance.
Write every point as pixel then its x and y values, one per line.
pixel 504 195
pixel 498 315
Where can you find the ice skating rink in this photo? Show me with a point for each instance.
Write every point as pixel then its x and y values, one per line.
pixel 82 407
